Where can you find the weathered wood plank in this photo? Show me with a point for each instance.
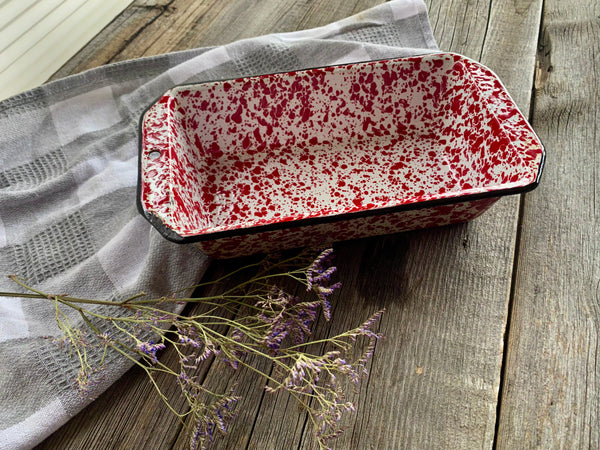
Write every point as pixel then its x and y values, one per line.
pixel 208 22
pixel 434 380
pixel 436 377
pixel 149 28
pixel 551 393
pixel 459 25
pixel 247 384
pixel 377 424
pixel 129 414
pixel 107 44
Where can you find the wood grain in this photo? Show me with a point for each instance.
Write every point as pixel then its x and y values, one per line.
pixel 551 393
pixel 435 378
pixel 129 414
pixel 434 381
pixel 149 28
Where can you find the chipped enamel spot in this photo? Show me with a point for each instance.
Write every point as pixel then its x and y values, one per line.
pixel 325 142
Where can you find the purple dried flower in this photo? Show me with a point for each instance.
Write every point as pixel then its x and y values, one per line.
pixel 150 349
pixel 159 317
pixel 63 343
pixel 105 339
pixel 286 315
pixel 183 377
pixel 75 338
pixel 365 328
pixel 237 353
pixel 320 269
pixel 210 348
pixel 88 378
pixel 318 276
pixel 282 319
pixel 183 339
pixel 212 418
pixel 276 335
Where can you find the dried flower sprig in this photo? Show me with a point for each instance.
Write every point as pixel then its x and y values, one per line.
pixel 256 317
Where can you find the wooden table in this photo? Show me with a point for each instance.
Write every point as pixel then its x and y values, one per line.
pixel 492 327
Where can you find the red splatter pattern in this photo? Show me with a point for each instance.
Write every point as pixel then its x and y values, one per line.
pixel 333 143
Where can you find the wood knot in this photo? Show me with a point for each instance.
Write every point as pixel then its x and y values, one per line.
pixel 543 59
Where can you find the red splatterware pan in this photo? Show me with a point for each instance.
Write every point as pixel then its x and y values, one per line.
pixel 286 160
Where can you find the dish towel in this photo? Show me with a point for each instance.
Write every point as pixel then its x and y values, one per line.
pixel 68 173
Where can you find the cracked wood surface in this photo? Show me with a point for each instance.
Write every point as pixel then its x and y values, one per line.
pixel 491 326
pixel 550 396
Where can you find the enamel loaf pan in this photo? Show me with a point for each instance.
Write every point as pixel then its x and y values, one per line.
pixel 302 158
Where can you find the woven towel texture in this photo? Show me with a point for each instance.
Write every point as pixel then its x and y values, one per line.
pixel 68 174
